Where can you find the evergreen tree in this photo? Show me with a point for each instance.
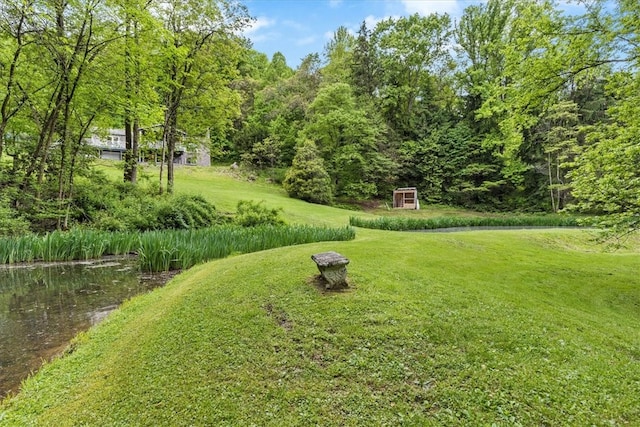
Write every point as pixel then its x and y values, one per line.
pixel 307 178
pixel 364 68
pixel 338 54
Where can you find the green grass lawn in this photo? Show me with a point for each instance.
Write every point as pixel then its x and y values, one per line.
pixel 474 328
pixel 224 188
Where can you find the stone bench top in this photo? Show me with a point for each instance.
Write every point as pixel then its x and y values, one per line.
pixel 329 259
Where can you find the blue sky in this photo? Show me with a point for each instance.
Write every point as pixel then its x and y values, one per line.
pixel 299 27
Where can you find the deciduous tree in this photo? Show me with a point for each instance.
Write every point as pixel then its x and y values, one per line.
pixel 191 27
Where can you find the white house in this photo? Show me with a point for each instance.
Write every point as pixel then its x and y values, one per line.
pixel 113 145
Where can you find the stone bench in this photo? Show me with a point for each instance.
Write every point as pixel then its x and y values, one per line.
pixel 333 268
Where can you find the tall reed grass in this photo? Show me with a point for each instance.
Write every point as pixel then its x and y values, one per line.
pixel 413 224
pixel 79 244
pixel 162 250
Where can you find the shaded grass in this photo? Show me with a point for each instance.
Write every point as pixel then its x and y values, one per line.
pixel 511 328
pixel 412 224
pixel 426 211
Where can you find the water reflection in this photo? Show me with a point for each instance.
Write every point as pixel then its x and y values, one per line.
pixel 43 307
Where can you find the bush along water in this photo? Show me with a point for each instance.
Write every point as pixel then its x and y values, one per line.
pixel 415 224
pixel 162 250
pixel 251 214
pixel 183 212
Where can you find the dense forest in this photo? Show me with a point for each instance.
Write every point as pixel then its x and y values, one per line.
pixel 516 106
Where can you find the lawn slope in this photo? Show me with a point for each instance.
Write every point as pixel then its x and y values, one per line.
pixel 471 328
pixel 225 188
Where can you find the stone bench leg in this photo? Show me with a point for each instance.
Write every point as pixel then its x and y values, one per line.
pixel 333 269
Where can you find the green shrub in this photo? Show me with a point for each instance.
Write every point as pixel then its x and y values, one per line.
pixel 201 213
pixel 411 224
pixel 252 214
pixel 186 212
pixel 359 190
pixel 122 206
pixel 105 221
pixel 11 222
pixel 275 175
pixel 171 216
pixel 97 194
pixel 307 178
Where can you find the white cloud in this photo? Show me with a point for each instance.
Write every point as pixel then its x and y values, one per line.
pixel 264 37
pixel 335 3
pixel 371 21
pixel 259 24
pixel 427 7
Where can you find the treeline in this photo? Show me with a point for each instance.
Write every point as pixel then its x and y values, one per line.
pixel 516 106
pixel 69 69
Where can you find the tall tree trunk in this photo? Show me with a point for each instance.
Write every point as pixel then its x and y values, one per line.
pixel 135 138
pixel 130 158
pixel 38 156
pixel 64 137
pixel 5 111
pixel 135 149
pixel 162 155
pixel 171 147
pixel 551 192
pixel 560 190
pixel 72 167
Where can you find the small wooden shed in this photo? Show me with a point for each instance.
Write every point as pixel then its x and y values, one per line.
pixel 406 198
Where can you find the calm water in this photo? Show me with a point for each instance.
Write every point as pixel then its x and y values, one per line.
pixel 43 307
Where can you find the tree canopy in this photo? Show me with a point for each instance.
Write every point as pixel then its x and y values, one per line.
pixel 516 106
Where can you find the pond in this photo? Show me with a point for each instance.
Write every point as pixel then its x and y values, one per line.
pixel 42 307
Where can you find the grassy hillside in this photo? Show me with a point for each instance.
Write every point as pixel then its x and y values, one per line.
pixel 473 328
pixel 224 189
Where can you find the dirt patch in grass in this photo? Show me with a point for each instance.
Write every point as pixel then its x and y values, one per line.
pixel 279 316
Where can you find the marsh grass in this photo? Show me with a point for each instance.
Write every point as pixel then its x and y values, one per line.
pixel 78 244
pixel 163 250
pixel 414 224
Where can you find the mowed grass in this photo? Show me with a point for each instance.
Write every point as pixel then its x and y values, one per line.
pixel 474 328
pixel 225 188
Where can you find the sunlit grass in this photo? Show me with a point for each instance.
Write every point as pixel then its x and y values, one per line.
pixel 225 188
pixel 504 328
pixel 473 328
